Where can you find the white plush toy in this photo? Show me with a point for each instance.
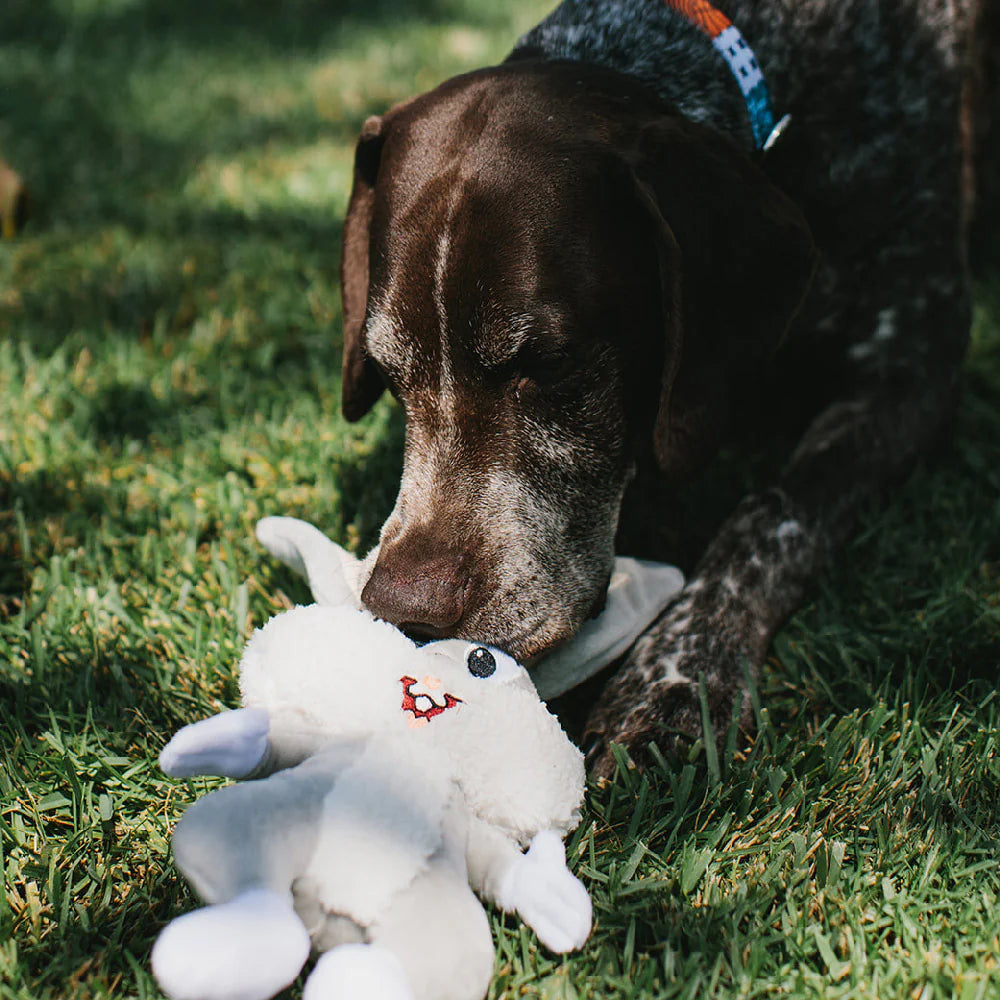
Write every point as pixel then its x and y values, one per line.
pixel 393 780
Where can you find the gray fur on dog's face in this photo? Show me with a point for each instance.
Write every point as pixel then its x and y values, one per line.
pixel 480 321
pixel 530 561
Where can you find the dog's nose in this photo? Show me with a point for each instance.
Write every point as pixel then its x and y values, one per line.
pixel 423 597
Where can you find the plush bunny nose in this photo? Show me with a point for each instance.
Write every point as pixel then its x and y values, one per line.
pixel 423 596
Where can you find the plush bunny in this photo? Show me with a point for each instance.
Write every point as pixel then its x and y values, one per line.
pixel 393 782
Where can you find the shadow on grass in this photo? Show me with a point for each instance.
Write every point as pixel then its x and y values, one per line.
pixel 67 73
pixel 53 491
pixel 292 25
pixel 130 290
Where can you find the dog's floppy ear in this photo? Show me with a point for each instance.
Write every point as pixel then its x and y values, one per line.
pixel 361 382
pixel 736 258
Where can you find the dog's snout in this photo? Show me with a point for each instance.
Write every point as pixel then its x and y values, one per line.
pixel 423 597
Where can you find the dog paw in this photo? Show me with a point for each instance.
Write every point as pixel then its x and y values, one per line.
pixel 668 717
pixel 680 675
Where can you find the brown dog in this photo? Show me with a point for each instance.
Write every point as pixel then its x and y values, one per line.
pixel 575 267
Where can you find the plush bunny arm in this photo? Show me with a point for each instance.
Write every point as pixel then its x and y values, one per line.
pixel 547 896
pixel 536 885
pixel 489 853
pixel 292 738
pixel 230 745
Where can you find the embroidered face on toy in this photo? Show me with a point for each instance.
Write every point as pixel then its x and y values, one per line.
pixel 343 671
pixel 456 666
pixel 485 712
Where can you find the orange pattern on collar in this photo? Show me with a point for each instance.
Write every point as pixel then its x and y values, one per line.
pixel 710 19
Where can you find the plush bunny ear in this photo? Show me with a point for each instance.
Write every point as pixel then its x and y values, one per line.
pixel 638 592
pixel 333 573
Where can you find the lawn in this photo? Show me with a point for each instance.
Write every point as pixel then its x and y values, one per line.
pixel 169 354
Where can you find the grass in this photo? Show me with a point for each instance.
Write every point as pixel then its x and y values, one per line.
pixel 168 374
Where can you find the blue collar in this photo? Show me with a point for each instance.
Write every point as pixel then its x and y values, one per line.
pixel 742 62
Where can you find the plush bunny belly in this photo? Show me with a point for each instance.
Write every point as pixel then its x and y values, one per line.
pixel 381 822
pixel 356 824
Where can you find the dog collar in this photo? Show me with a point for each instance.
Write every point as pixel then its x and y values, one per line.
pixel 742 62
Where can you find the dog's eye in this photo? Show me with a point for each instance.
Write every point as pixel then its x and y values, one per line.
pixel 538 373
pixel 387 377
pixel 481 662
pixel 521 386
pixel 543 365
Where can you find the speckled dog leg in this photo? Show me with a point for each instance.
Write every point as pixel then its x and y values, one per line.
pixel 760 566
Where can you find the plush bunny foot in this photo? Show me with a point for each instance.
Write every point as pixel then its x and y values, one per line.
pixel 246 949
pixel 353 971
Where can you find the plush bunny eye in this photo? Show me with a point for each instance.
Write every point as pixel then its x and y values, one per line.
pixel 481 662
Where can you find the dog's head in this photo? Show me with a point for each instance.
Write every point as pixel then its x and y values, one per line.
pixel 552 272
